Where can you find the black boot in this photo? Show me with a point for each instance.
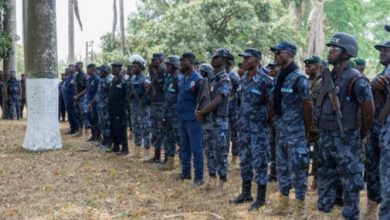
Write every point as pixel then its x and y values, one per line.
pixel 125 150
pixel 246 195
pixel 260 199
pixel 115 148
pixel 156 158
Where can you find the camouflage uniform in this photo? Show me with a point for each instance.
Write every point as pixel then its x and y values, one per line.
pixel 218 133
pixel 253 126
pixel 102 106
pixel 13 91
pixel 339 157
pixel 92 86
pixel 384 212
pixel 81 106
pixel 157 105
pixel 292 154
pixel 314 132
pixel 140 111
pixel 233 112
pixel 171 90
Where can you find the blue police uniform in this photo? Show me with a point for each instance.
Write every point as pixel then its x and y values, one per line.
pixel 69 103
pixel 92 87
pixel 13 91
pixel 81 105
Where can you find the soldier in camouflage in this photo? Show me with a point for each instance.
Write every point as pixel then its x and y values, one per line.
pixel 80 101
pixel 14 93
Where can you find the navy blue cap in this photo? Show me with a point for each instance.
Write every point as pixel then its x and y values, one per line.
pixel 188 55
pixel 384 45
pixel 79 64
pixel 158 56
pixel 116 64
pixel 92 65
pixel 105 68
pixel 221 52
pixel 285 45
pixel 251 52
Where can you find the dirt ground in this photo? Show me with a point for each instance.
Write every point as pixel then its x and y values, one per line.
pixel 71 184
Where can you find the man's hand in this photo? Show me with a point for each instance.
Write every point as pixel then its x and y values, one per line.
pixel 199 116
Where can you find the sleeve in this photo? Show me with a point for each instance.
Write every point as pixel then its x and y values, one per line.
pixel 269 89
pixel 303 88
pixel 362 90
pixel 224 87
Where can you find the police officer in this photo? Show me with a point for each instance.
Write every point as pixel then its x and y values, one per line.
pixel 170 121
pixel 69 101
pixel 189 128
pixel 23 96
pixel 14 93
pixel 140 106
pixel 92 87
pixel 293 117
pixel 339 151
pixel 61 100
pixel 233 108
pixel 256 92
pixel 101 99
pixel 218 107
pixel 81 106
pixel 129 72
pixel 157 76
pixel 378 145
pixel 312 69
pixel 117 108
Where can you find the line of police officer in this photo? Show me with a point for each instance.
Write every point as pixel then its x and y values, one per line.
pixel 171 101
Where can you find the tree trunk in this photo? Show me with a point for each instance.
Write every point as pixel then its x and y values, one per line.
pixel 122 24
pixel 316 36
pixel 42 83
pixel 9 63
pixel 114 23
pixel 71 31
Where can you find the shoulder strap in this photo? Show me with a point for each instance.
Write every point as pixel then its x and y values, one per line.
pixel 353 82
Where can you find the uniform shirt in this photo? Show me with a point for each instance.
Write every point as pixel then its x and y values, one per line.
pixel 255 95
pixel 13 87
pixel 69 88
pixel 186 99
pixel 92 86
pixel 80 80
pixel 295 89
pixel 158 86
pixel 117 102
pixel 220 85
pixel 140 82
pixel 171 90
pixel 103 91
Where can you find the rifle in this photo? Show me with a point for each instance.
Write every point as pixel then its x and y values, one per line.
pixel 332 92
pixel 203 97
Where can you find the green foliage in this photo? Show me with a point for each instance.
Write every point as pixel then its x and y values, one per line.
pixel 6 39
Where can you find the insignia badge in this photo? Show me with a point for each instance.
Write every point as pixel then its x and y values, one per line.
pixel 192 84
pixel 335 40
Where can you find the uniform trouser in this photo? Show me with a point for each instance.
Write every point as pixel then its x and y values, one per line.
pixel 233 132
pixel 104 120
pixel 191 147
pixel 157 116
pixel 217 137
pixel 14 107
pixel 373 153
pixel 292 160
pixel 384 212
pixel 339 157
pixel 61 108
pixel 171 133
pixel 81 108
pixel 72 117
pixel 118 128
pixel 93 120
pixel 129 119
pixel 254 156
pixel 272 143
pixel 141 123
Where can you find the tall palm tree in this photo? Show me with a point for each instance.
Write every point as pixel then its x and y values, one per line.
pixel 73 9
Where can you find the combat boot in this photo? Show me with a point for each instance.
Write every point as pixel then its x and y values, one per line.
pixel 299 210
pixel 260 199
pixel 211 183
pixel 115 148
pixel 81 132
pixel 156 158
pixel 246 194
pixel 372 210
pixel 124 151
pixel 146 155
pixel 282 207
pixel 169 165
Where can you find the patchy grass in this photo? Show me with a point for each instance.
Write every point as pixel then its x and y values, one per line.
pixel 69 184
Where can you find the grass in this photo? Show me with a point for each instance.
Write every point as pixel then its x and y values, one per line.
pixel 69 184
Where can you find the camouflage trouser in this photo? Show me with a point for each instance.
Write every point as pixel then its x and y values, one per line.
pixel 233 134
pixel 171 132
pixel 217 147
pixel 292 160
pixel 14 107
pixel 141 123
pixel 313 141
pixel 254 156
pixel 157 116
pixel 81 108
pixel 272 143
pixel 103 120
pixel 373 153
pixel 340 158
pixel 384 212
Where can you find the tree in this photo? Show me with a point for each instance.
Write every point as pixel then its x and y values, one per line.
pixel 122 28
pixel 73 9
pixel 316 36
pixel 42 91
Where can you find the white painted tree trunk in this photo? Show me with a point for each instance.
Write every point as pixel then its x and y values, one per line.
pixel 42 83
pixel 10 27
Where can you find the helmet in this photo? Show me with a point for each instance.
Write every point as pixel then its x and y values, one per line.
pixel 173 60
pixel 138 59
pixel 205 67
pixel 105 68
pixel 345 41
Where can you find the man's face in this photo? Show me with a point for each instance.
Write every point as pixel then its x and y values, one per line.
pixel 312 69
pixel 360 68
pixel 78 68
pixel 384 56
pixel 91 71
pixel 217 62
pixel 334 54
pixel 71 69
pixel 136 68
pixel 116 70
pixel 185 65
pixel 250 63
pixel 281 57
pixel 156 63
pixel 274 71
pixel 170 68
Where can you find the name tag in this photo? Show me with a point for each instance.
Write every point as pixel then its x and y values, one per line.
pixel 287 90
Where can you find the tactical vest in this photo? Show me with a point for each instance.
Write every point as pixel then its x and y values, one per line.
pixel 350 108
pixel 222 110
